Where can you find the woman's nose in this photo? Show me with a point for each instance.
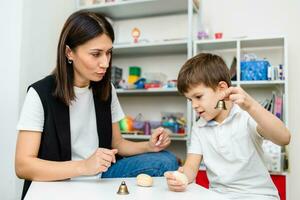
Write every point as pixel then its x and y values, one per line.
pixel 104 62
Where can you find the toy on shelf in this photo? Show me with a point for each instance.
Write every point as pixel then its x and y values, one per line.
pixel 134 74
pixel 116 76
pixel 253 68
pixel 126 124
pixel 218 35
pixel 174 121
pixel 136 33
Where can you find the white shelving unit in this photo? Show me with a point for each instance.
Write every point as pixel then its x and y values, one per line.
pixel 165 55
pixel 152 91
pixel 274 49
pixel 157 47
pixel 120 10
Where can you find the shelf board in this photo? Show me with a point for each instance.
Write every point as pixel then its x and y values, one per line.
pixel 261 83
pixel 152 91
pixel 219 44
pixel 161 47
pixel 138 8
pixel 177 137
pixel 234 83
pixel 262 42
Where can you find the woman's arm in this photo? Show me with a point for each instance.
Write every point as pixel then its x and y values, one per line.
pixel 159 140
pixel 29 166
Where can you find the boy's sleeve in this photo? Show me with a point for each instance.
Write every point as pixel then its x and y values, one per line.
pixel 252 126
pixel 195 146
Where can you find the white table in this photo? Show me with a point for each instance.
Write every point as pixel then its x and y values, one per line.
pixel 106 189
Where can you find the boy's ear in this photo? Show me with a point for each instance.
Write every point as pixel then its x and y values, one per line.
pixel 222 85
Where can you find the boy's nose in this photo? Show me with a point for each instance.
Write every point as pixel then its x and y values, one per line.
pixel 194 105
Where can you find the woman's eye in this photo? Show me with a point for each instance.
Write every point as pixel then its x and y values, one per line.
pixel 95 54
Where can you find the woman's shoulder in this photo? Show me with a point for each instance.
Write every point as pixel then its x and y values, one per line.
pixel 44 85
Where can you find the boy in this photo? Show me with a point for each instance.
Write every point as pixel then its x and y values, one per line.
pixel 229 141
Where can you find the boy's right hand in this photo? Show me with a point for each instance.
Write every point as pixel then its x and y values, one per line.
pixel 99 161
pixel 174 184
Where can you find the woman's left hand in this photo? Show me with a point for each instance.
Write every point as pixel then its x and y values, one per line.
pixel 159 139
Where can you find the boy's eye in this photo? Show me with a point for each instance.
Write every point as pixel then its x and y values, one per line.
pixel 198 97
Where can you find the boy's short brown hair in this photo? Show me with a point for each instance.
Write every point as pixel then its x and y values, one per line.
pixel 204 68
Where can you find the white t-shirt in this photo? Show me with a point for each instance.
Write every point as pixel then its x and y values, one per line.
pixel 84 136
pixel 233 155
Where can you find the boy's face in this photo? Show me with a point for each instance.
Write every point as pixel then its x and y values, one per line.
pixel 204 100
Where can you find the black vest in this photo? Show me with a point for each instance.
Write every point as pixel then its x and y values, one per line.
pixel 56 137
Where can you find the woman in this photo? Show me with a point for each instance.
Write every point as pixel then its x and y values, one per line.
pixel 69 122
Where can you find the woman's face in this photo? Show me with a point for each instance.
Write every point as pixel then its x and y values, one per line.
pixel 90 60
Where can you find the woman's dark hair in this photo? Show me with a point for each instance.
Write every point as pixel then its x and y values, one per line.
pixel 79 28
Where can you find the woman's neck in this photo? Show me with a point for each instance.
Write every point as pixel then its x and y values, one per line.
pixel 80 82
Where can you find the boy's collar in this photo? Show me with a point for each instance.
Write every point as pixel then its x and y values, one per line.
pixel 233 111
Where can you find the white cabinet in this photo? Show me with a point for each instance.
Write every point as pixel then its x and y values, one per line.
pixel 274 50
pixel 164 45
pixel 166 42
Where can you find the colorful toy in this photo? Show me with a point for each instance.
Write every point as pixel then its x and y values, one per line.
pixel 136 33
pixel 126 124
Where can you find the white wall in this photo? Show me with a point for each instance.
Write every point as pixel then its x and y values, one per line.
pixel 29 35
pixel 264 18
pixel 10 39
pixel 42 23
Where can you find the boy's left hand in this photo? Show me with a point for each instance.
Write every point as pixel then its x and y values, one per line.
pixel 239 96
pixel 159 139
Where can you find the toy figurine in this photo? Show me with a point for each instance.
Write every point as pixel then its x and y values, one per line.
pixel 135 34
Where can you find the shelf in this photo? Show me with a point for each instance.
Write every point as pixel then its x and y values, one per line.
pixel 161 47
pixel 213 45
pixel 139 8
pixel 246 43
pixel 176 137
pixel 152 91
pixel 261 83
pixel 262 42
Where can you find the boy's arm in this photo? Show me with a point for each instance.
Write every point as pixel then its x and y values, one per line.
pixel 191 166
pixel 268 125
pixel 190 169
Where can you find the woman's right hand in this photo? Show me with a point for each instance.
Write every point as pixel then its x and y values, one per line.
pixel 174 184
pixel 99 161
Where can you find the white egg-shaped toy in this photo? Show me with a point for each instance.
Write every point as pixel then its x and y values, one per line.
pixel 181 177
pixel 144 180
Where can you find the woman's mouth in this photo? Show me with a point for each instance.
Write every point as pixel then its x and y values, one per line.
pixel 100 74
